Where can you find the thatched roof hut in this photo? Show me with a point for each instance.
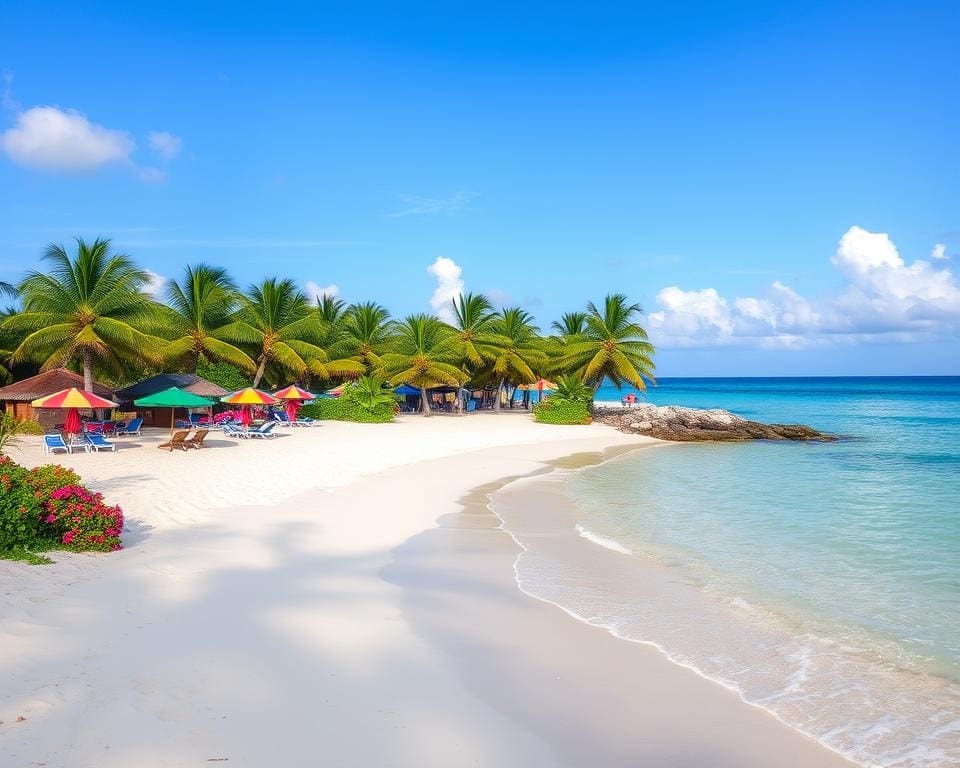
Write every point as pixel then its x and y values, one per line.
pixel 186 381
pixel 15 399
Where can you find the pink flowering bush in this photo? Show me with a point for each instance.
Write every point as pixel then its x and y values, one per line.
pixel 86 522
pixel 47 508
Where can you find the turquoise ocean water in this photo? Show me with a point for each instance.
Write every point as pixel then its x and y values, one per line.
pixel 825 577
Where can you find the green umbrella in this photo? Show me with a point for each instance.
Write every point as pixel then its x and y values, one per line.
pixel 173 398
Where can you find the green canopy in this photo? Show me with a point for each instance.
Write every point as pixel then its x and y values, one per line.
pixel 173 398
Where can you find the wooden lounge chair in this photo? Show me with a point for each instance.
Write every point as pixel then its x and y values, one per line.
pixel 177 440
pixel 196 441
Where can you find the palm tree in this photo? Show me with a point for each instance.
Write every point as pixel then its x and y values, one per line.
pixel 424 352
pixel 280 322
pixel 201 304
pixel 474 326
pixel 521 352
pixel 366 331
pixel 87 310
pixel 570 324
pixel 330 308
pixel 613 345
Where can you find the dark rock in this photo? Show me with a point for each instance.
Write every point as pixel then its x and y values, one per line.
pixel 672 422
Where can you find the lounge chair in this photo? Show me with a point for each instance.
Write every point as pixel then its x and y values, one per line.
pixel 133 428
pixel 78 443
pixel 232 430
pixel 282 419
pixel 196 441
pixel 54 443
pixel 306 421
pixel 264 431
pixel 177 440
pixel 99 443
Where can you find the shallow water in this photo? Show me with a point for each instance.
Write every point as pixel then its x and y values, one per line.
pixel 825 578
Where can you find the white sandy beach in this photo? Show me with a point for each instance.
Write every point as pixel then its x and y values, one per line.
pixel 278 604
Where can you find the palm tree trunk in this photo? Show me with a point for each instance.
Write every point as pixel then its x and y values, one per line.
pixel 260 370
pixel 424 402
pixel 88 371
pixel 88 377
pixel 496 400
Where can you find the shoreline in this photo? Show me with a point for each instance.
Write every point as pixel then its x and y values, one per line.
pixel 266 634
pixel 732 730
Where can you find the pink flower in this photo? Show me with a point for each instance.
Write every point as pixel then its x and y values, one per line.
pixel 51 518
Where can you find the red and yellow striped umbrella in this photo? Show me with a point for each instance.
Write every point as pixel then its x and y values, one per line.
pixel 72 399
pixel 336 391
pixel 294 397
pixel 293 392
pixel 249 396
pixel 246 398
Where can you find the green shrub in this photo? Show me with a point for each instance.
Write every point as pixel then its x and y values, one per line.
pixel 21 524
pixel 9 431
pixel 30 427
pixel 556 410
pixel 570 388
pixel 364 401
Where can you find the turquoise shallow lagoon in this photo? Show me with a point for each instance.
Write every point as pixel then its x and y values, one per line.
pixel 834 568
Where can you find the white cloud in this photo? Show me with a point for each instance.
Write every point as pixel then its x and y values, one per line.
pixel 882 295
pixel 939 251
pixel 155 284
pixel 53 139
pixel 314 290
pixel 416 205
pixel 165 144
pixel 449 285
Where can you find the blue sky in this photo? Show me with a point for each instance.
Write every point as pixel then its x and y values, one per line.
pixel 776 183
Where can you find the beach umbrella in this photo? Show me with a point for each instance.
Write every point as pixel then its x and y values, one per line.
pixel 173 398
pixel 73 399
pixel 540 385
pixel 336 391
pixel 294 397
pixel 246 398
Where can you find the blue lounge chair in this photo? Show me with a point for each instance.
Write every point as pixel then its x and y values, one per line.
pixel 282 419
pixel 306 421
pixel 100 443
pixel 133 428
pixel 54 443
pixel 264 431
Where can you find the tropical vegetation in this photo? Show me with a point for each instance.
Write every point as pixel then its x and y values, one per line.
pixel 94 310
pixel 569 404
pixel 367 400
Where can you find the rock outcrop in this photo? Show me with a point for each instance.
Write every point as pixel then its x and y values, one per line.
pixel 669 422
